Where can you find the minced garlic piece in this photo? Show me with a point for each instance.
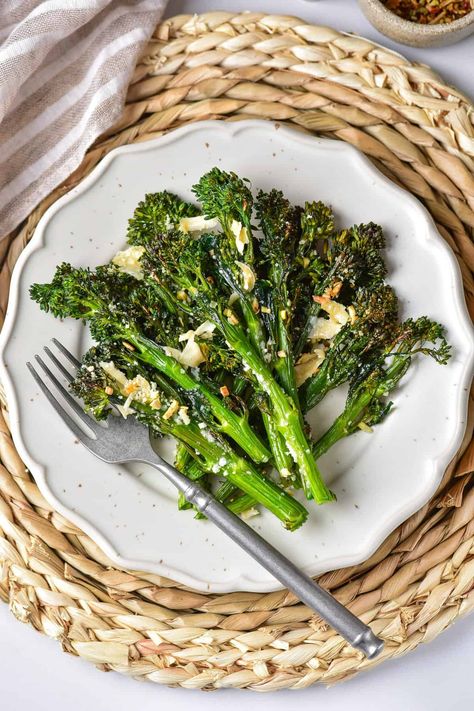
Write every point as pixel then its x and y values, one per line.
pixel 333 290
pixel 308 364
pixel 231 317
pixel 172 410
pixel 128 261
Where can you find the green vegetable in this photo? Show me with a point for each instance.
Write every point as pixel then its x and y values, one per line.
pixel 99 390
pixel 236 317
pixel 111 303
pixel 366 404
pixel 371 328
pixel 188 266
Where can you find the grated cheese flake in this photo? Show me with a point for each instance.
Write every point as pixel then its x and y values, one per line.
pixel 191 356
pixel 183 415
pixel 240 234
pixel 128 261
pixel 248 275
pixel 308 364
pixel 324 329
pixel 197 224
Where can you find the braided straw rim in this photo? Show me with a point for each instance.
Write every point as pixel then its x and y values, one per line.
pixel 420 133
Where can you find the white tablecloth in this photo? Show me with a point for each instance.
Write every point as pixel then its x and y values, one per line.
pixel 35 674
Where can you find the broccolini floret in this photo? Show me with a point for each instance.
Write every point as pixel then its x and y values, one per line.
pixel 367 333
pixel 157 213
pixel 366 403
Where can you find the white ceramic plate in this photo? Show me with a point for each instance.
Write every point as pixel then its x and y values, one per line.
pixel 380 479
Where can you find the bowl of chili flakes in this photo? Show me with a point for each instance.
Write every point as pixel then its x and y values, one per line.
pixel 421 23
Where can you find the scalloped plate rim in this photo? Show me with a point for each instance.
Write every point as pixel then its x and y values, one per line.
pixel 242 581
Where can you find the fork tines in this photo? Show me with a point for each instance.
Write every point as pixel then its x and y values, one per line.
pixel 66 395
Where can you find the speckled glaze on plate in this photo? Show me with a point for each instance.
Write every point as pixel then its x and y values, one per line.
pixel 380 479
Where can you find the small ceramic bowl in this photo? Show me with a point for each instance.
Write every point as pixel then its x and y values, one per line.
pixel 413 33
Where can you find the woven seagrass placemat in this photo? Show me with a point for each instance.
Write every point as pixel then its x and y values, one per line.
pixel 420 133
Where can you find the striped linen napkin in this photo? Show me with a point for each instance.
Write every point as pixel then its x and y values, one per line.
pixel 64 70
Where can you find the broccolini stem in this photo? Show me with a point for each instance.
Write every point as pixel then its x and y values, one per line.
pixel 228 422
pixel 266 492
pixel 186 464
pixel 242 503
pixel 240 473
pixel 313 311
pixel 284 364
pixel 239 385
pixel 314 390
pixel 282 458
pixel 183 503
pixel 285 414
pixel 225 490
pixel 347 422
pixel 182 457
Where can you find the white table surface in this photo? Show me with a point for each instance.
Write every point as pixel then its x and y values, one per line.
pixel 35 674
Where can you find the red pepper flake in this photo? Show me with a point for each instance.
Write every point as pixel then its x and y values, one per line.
pixel 224 391
pixel 429 12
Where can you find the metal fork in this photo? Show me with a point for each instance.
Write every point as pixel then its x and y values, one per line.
pixel 126 440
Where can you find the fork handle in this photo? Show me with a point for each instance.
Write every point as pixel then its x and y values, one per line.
pixel 354 631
